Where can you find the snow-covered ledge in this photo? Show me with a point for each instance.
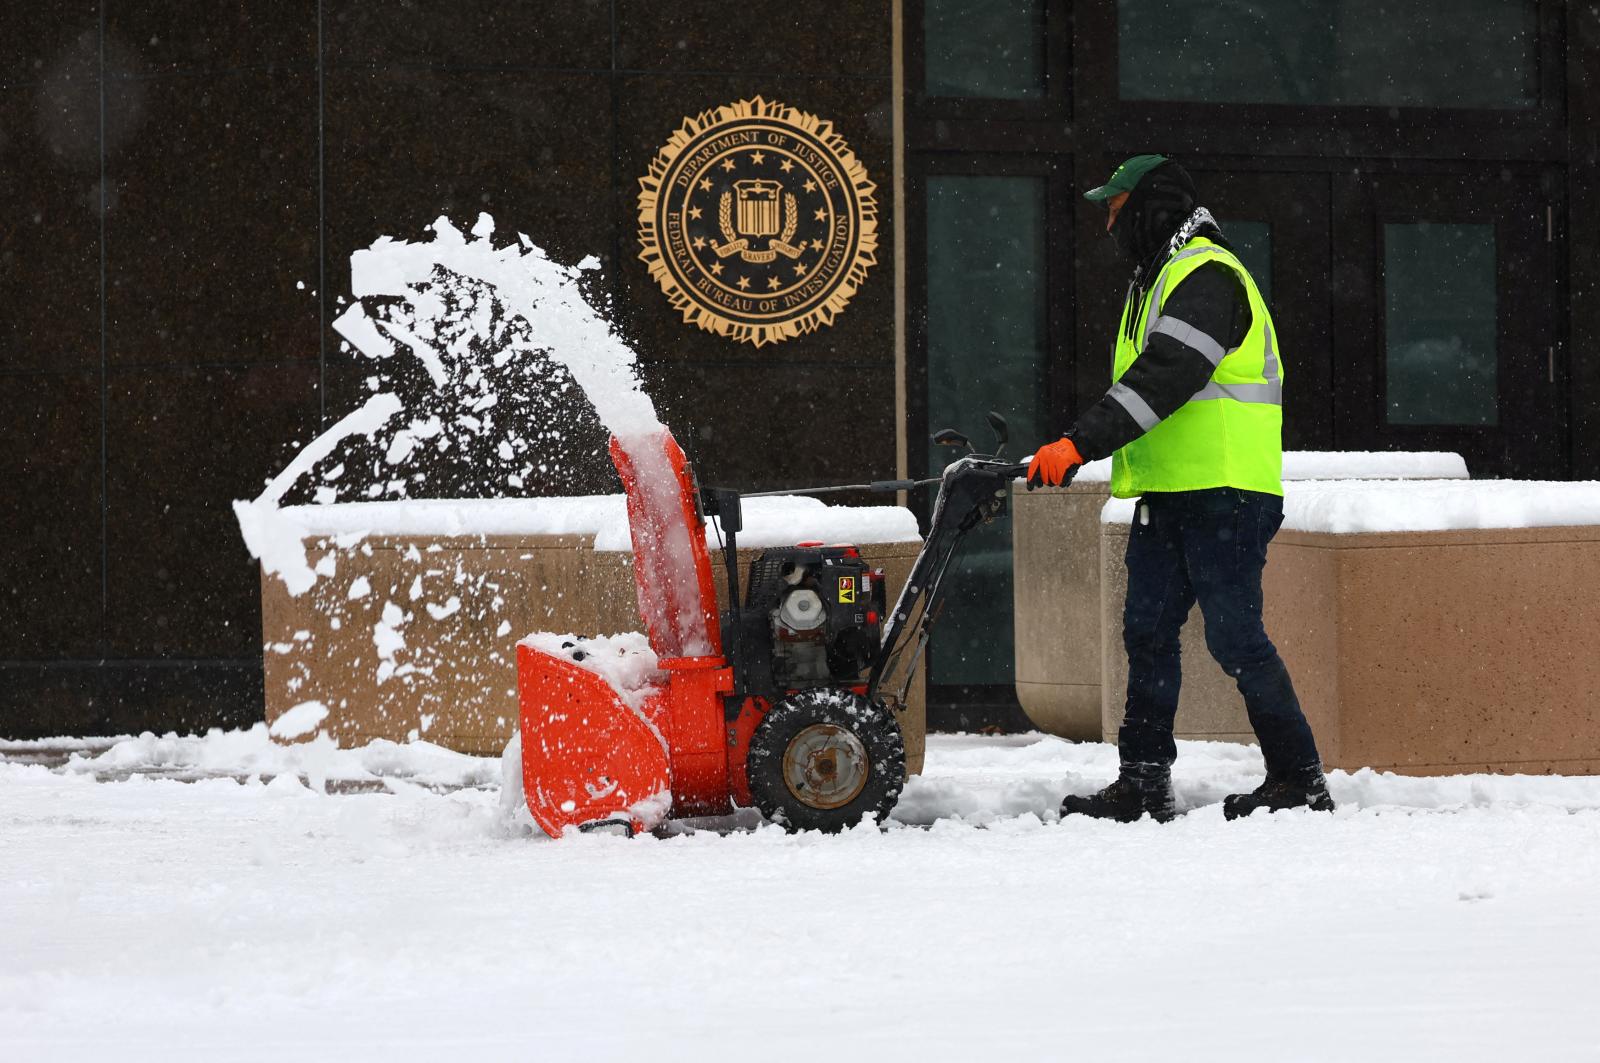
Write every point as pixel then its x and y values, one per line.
pixel 409 629
pixel 1350 507
pixel 1341 465
pixel 1432 627
pixel 768 521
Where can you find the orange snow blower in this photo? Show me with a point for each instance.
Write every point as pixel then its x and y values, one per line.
pixel 787 702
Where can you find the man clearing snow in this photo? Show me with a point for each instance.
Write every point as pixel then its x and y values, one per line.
pixel 1194 421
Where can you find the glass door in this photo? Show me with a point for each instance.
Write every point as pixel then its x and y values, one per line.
pixel 1451 341
pixel 990 261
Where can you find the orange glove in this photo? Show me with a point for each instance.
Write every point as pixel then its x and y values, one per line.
pixel 1054 464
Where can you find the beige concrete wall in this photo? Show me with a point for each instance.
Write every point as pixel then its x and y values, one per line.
pixel 1443 652
pixel 453 681
pixel 1056 537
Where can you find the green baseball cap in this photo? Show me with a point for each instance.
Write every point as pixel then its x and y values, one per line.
pixel 1126 177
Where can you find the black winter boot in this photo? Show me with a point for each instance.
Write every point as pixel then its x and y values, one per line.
pixel 1139 789
pixel 1308 790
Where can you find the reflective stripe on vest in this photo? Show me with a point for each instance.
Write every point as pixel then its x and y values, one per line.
pixel 1229 433
pixel 1190 336
pixel 1137 408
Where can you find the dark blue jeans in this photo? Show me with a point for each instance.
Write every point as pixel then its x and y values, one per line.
pixel 1206 546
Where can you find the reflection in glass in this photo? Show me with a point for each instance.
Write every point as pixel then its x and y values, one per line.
pixel 986 351
pixel 1440 324
pixel 984 48
pixel 1252 245
pixel 1466 53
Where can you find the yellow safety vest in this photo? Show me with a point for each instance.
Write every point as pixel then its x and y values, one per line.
pixel 1230 432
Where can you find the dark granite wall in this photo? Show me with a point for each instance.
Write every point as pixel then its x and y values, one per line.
pixel 172 174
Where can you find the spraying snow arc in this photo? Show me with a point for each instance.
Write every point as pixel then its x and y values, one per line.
pixel 454 302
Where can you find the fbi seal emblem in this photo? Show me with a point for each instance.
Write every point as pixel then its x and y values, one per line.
pixel 758 221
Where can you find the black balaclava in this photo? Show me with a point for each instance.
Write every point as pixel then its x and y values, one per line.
pixel 1161 201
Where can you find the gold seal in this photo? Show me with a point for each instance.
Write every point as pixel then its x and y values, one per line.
pixel 757 221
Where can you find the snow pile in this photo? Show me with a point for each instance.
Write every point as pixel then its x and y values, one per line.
pixel 1454 919
pixel 978 780
pixel 253 754
pixel 626 662
pixel 512 808
pixel 1341 465
pixel 780 520
pixel 984 780
pixel 1347 507
pixel 10 747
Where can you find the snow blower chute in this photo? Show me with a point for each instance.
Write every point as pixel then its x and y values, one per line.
pixel 787 702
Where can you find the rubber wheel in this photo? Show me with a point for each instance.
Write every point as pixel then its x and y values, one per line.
pixel 823 759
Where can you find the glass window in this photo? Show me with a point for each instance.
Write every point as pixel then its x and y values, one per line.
pixel 1252 244
pixel 1440 324
pixel 986 351
pixel 1466 53
pixel 985 48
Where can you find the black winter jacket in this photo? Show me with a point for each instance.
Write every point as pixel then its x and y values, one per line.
pixel 1168 372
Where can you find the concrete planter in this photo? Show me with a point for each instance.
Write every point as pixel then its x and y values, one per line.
pixel 1440 652
pixel 413 637
pixel 1056 543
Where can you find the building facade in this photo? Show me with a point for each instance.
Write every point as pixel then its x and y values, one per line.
pixel 1414 189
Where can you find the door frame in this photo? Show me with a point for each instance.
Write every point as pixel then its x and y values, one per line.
pixel 985 706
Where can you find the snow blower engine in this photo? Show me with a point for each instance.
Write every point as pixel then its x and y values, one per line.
pixel 788 702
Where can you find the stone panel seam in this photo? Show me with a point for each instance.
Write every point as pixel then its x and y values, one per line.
pixel 105 383
pixel 322 237
pixel 619 222
pixel 897 94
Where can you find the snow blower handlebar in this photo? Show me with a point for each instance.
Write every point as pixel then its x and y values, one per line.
pixel 972 490
pixel 885 486
pixel 944 437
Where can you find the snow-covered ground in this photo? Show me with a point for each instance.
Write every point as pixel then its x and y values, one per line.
pixel 160 900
